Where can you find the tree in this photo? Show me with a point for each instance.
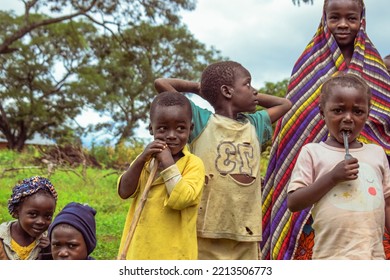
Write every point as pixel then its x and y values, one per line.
pixel 111 15
pixel 35 96
pixel 276 89
pixel 121 83
pixel 298 2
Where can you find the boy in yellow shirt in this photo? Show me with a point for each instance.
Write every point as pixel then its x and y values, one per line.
pixel 167 225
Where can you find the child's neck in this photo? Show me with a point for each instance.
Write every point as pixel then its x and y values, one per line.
pixel 226 112
pixel 178 156
pixel 331 141
pixel 347 53
pixel 20 236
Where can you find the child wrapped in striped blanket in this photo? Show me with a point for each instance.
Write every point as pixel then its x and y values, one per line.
pixel 340 44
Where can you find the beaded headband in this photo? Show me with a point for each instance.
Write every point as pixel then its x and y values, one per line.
pixel 27 188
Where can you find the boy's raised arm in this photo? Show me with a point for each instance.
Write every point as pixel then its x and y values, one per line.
pixel 174 84
pixel 276 106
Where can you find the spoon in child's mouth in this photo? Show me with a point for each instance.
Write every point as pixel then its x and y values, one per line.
pixel 346 145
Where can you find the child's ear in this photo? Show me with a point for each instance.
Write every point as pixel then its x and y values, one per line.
pixel 227 91
pixel 15 214
pixel 321 112
pixel 150 129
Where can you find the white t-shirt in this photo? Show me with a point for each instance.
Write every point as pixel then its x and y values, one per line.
pixel 349 220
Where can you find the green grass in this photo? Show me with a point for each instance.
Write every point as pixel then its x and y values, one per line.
pixel 98 189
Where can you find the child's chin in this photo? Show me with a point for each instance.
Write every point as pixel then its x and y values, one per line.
pixel 36 234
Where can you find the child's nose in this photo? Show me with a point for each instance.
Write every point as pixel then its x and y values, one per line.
pixel 347 116
pixel 343 23
pixel 40 220
pixel 63 252
pixel 171 134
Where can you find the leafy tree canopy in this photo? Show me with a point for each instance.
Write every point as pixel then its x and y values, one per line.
pixel 35 95
pixel 123 78
pixel 58 68
pixel 110 15
pixel 298 2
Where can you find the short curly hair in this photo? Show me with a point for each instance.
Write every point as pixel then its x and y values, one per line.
pixel 214 76
pixel 167 98
pixel 27 188
pixel 345 80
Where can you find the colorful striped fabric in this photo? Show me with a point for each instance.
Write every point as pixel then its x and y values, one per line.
pixel 302 124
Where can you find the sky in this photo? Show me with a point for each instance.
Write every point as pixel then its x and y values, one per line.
pixel 265 36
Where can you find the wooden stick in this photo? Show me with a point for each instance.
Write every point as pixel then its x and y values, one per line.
pixel 137 213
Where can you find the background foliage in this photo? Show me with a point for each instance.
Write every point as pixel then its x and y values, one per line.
pixel 57 62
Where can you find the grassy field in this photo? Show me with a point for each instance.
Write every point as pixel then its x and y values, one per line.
pixel 98 189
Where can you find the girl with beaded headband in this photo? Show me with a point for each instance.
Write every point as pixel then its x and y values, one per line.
pixel 32 204
pixel 339 45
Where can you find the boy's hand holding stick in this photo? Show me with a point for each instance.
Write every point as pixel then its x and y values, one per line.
pixel 138 211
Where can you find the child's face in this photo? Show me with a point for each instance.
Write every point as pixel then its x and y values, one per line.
pixel 346 109
pixel 35 213
pixel 343 20
pixel 244 96
pixel 67 243
pixel 172 124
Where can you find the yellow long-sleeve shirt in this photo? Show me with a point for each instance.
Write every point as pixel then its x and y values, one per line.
pixel 167 225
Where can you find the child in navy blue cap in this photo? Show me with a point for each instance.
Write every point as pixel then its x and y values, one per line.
pixel 73 233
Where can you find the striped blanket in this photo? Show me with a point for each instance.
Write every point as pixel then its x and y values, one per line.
pixel 302 124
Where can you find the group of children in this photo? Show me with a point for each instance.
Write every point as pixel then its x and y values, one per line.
pixel 212 198
pixel 338 86
pixel 196 188
pixel 34 235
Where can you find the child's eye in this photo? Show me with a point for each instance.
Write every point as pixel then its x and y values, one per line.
pixel 72 246
pixel 182 129
pixel 337 110
pixel 32 215
pixel 359 112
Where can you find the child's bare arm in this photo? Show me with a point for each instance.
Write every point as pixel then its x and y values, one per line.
pixel 129 180
pixel 307 196
pixel 179 85
pixel 387 214
pixel 276 106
